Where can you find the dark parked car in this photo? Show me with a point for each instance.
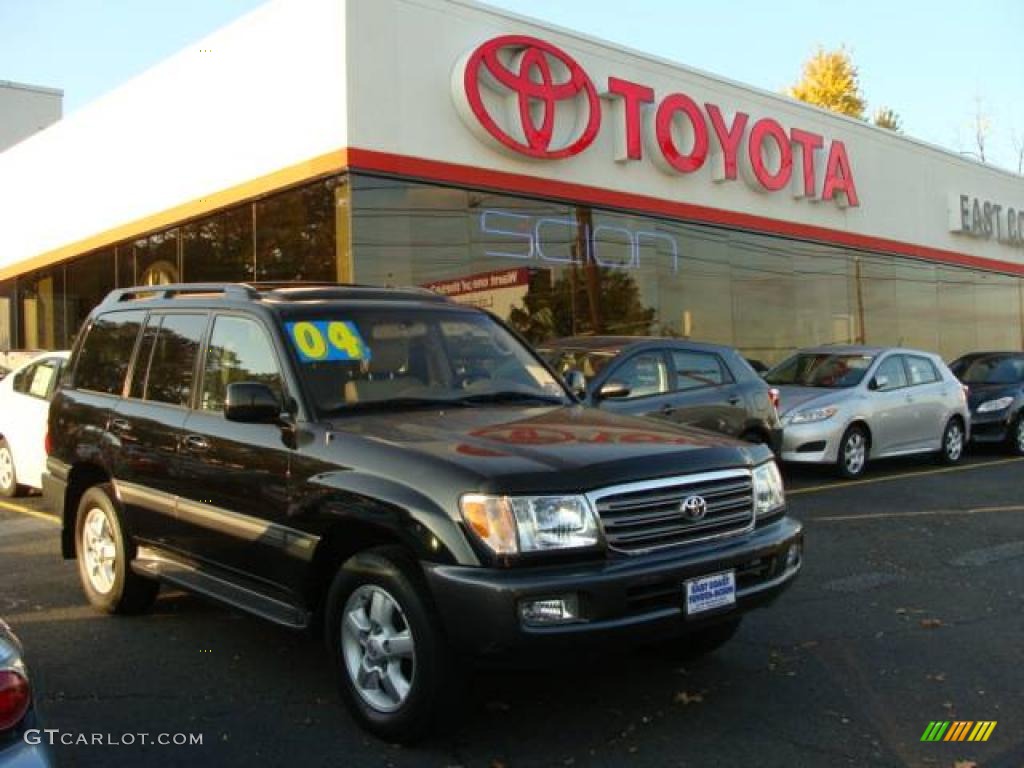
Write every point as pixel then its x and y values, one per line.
pixel 407 469
pixel 22 743
pixel 699 385
pixel 995 394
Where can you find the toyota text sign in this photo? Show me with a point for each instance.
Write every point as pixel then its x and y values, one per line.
pixel 525 96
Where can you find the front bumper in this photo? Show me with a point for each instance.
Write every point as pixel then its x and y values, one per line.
pixel 813 443
pixel 991 427
pixel 622 599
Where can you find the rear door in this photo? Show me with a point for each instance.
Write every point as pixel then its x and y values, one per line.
pixel 704 393
pixel 646 373
pixel 147 425
pixel 891 408
pixel 930 395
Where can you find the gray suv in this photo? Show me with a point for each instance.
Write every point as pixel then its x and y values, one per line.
pixel 846 405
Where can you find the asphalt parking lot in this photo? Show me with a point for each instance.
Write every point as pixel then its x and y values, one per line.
pixel 910 609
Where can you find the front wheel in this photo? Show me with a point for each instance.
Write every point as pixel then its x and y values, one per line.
pixel 1015 438
pixel 953 438
pixel 104 552
pixel 853 452
pixel 386 645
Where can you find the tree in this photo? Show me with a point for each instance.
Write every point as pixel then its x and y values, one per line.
pixel 1017 141
pixel 981 126
pixel 830 80
pixel 887 118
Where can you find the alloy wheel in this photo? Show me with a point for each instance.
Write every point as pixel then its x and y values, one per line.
pixel 378 648
pixel 855 453
pixel 99 550
pixel 1020 435
pixel 954 441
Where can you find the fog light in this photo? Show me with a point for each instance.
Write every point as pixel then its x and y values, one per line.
pixel 793 556
pixel 550 610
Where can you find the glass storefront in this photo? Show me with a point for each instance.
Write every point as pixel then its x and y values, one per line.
pixel 555 269
pixel 552 269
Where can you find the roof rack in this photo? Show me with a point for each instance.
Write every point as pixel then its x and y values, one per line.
pixel 237 291
pixel 254 291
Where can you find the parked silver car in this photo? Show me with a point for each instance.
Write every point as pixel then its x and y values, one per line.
pixel 845 405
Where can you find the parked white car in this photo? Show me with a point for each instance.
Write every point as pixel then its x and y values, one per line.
pixel 847 405
pixel 24 405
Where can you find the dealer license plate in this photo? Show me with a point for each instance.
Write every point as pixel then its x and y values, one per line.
pixel 710 592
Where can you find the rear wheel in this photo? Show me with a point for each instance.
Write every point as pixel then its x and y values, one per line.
pixel 1015 438
pixel 953 437
pixel 386 645
pixel 104 553
pixel 853 452
pixel 8 477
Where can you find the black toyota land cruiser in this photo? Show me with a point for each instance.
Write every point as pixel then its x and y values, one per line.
pixel 405 468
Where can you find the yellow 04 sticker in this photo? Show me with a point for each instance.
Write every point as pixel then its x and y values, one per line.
pixel 322 340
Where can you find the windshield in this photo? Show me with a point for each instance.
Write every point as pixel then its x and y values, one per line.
pixel 358 358
pixel 996 369
pixel 809 369
pixel 590 362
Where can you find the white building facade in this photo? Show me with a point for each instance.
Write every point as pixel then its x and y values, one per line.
pixel 569 185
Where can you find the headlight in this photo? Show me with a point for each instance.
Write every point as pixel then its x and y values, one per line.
pixel 514 524
pixel 995 405
pixel 769 495
pixel 815 414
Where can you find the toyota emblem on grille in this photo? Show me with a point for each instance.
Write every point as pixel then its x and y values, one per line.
pixel 694 508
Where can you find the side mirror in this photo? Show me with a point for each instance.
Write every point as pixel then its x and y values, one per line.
pixel 249 402
pixel 612 390
pixel 576 382
pixel 878 383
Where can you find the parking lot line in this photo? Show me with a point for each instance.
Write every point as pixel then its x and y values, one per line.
pixel 838 485
pixel 53 519
pixel 916 513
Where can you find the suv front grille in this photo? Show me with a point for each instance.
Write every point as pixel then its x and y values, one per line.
pixel 649 515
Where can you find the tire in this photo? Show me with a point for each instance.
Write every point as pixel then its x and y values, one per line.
pixel 104 552
pixel 953 442
pixel 378 596
pixel 854 449
pixel 8 477
pixel 703 642
pixel 1015 437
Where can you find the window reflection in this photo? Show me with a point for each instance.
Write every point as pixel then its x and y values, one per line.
pixel 239 352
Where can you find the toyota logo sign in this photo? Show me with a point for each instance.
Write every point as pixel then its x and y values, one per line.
pixel 528 96
pixel 694 508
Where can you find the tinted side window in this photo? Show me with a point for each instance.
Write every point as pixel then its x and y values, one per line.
pixel 240 350
pixel 172 368
pixel 921 371
pixel 107 352
pixel 645 374
pixel 138 386
pixel 893 372
pixel 698 369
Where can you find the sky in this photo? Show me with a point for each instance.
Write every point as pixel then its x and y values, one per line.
pixel 932 62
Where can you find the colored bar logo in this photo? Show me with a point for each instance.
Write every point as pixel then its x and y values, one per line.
pixel 959 730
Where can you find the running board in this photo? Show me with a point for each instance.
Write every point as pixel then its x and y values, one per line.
pixel 156 564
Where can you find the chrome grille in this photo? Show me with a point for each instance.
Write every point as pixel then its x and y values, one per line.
pixel 643 516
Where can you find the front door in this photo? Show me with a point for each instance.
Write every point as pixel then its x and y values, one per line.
pixel 892 408
pixel 646 376
pixel 704 393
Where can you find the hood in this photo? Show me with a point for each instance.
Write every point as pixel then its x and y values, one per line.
pixel 516 449
pixel 982 393
pixel 801 398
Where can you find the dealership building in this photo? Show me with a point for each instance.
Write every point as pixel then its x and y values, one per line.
pixel 569 185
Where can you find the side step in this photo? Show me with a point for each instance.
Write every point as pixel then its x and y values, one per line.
pixel 156 564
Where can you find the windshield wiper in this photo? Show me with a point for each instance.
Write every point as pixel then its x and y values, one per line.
pixel 398 403
pixel 511 396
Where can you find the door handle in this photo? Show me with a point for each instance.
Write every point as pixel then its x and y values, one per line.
pixel 667 409
pixel 734 400
pixel 196 443
pixel 120 426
